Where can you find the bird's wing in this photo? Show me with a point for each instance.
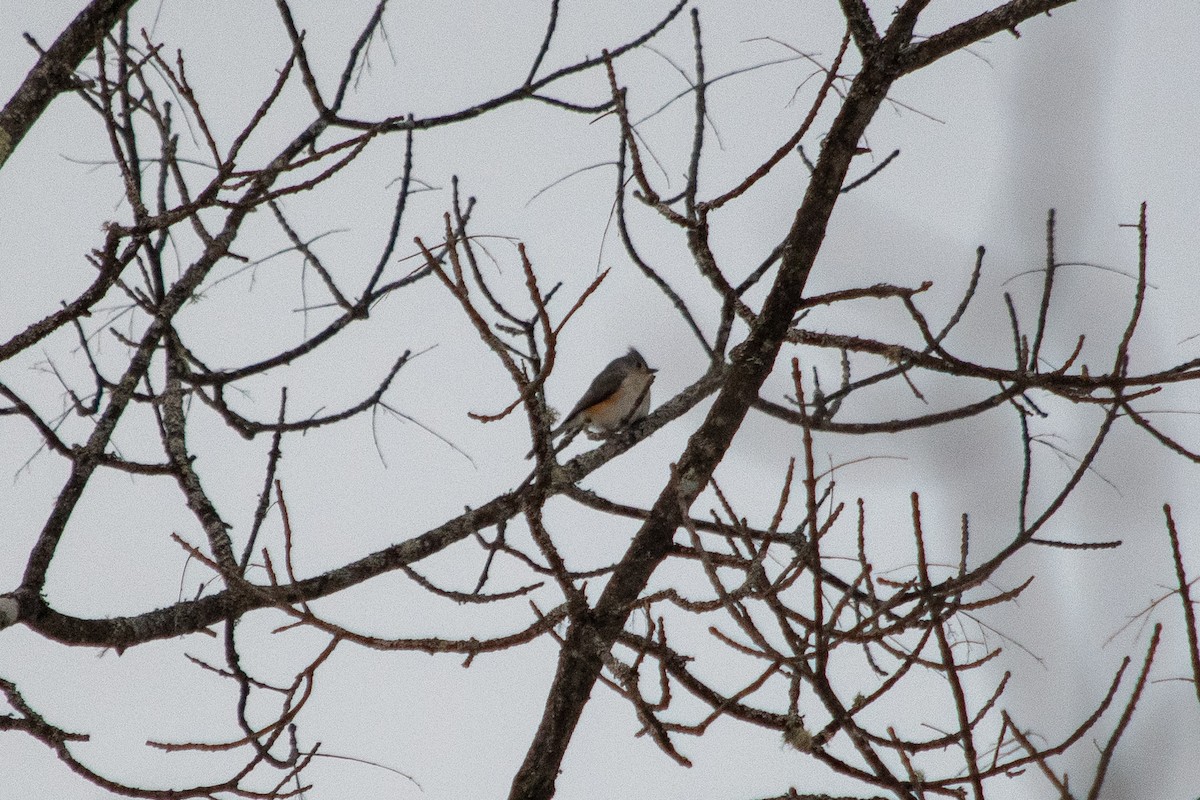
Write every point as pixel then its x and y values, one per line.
pixel 605 385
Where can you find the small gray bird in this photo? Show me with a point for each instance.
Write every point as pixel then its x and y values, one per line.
pixel 620 394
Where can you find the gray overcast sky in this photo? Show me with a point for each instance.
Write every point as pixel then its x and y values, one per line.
pixel 1091 113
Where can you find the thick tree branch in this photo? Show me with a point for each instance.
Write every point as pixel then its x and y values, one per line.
pixel 1002 18
pixel 589 639
pixel 54 72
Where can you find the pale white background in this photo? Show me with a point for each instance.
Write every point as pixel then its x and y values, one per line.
pixel 1091 112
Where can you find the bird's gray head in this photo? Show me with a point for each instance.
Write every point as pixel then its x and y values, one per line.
pixel 634 359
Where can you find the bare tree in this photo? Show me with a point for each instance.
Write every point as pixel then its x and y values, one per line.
pixel 830 653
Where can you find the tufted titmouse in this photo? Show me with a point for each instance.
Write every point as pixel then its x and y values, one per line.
pixel 620 394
